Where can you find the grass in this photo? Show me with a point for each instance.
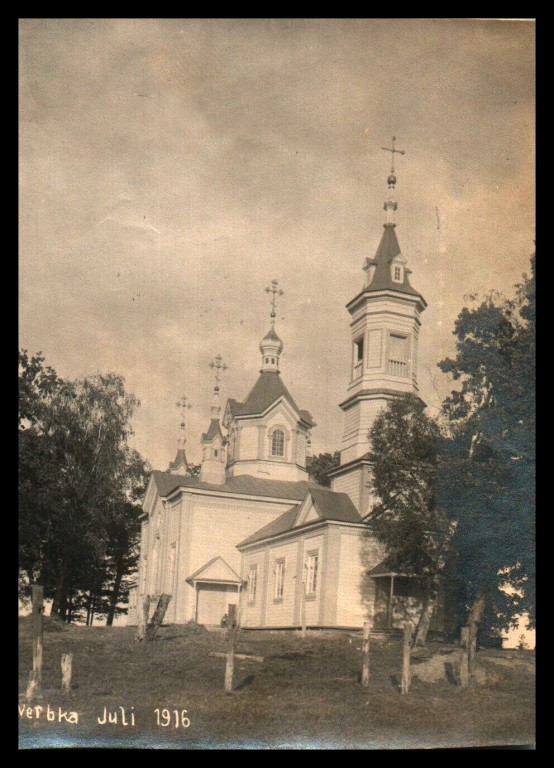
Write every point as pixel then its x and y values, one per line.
pixel 306 693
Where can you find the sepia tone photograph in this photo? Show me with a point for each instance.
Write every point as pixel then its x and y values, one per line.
pixel 276 383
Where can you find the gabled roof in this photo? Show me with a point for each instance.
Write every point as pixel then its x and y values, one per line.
pixel 382 279
pixel 329 505
pixel 265 392
pixel 243 484
pixel 179 461
pixel 214 430
pixel 216 570
pixel 334 506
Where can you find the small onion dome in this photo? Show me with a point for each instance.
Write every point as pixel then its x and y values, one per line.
pixel 391 181
pixel 271 340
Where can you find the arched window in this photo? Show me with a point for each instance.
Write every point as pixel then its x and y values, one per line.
pixel 278 443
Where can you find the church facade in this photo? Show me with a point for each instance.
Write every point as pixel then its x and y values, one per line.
pixel 253 529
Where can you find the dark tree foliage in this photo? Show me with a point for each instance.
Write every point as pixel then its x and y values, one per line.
pixel 405 516
pixel 487 460
pixel 79 483
pixel 322 464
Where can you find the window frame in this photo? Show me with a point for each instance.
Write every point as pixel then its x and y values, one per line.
pixel 392 362
pixel 274 432
pixel 252 590
pixel 279 586
pixel 311 573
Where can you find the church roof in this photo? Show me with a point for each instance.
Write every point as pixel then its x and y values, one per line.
pixel 265 392
pixel 214 430
pixel 179 461
pixel 382 279
pixel 329 505
pixel 242 484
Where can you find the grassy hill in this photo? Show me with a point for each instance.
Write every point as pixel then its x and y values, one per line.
pixel 306 693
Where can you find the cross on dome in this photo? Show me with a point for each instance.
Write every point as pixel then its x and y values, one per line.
pixel 271 345
pixel 275 291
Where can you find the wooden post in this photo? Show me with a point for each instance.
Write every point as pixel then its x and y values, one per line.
pixel 143 609
pixel 464 657
pixel 303 608
pixel 472 647
pixel 231 640
pixel 365 655
pixel 158 617
pixel 67 668
pixel 406 649
pixel 35 676
pixel 389 604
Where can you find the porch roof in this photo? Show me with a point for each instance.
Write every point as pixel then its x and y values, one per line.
pixel 215 571
pixel 386 568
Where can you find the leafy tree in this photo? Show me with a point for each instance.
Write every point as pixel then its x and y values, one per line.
pixel 487 463
pixel 405 516
pixel 322 464
pixel 79 483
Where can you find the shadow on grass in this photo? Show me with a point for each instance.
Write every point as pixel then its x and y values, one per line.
pixel 450 673
pixel 245 682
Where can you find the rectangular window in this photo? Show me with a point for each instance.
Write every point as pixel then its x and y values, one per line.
pixel 398 355
pixel 279 579
pixel 312 564
pixel 252 583
pixel 358 356
pixel 397 274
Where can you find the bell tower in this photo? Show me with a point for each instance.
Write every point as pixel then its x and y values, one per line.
pixel 385 322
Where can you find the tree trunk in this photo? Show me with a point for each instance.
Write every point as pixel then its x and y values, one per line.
pixel 89 609
pixel 427 612
pixel 477 609
pixel 60 592
pixel 473 620
pixel 114 597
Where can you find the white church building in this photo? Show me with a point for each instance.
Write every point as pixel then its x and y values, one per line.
pixel 253 529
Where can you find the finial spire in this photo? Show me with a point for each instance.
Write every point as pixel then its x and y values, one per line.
pixel 275 291
pixel 390 203
pixel 183 405
pixel 218 366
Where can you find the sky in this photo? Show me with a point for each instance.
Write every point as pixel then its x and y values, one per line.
pixel 171 168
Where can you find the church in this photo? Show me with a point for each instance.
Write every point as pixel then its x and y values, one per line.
pixel 253 529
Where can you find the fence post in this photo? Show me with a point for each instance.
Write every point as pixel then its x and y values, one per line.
pixel 365 655
pixel 158 617
pixel 67 668
pixel 406 650
pixel 472 647
pixel 303 608
pixel 143 609
pixel 35 676
pixel 464 657
pixel 231 639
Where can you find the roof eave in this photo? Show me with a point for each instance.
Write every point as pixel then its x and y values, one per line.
pixel 394 292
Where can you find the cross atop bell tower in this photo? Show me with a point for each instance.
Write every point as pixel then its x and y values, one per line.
pixel 390 202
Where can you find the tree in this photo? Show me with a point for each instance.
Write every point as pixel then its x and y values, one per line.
pixel 405 516
pixel 322 464
pixel 487 461
pixel 79 484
